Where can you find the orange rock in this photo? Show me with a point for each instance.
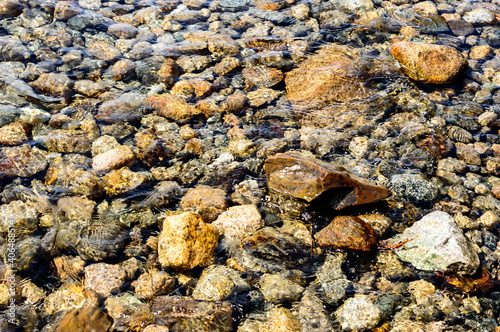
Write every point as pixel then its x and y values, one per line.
pixel 173 107
pixel 270 4
pixel 113 159
pixel 104 51
pixel 207 201
pixel 308 178
pixel 13 134
pixel 428 63
pixel 169 72
pixel 347 232
pixel 89 318
pixel 122 69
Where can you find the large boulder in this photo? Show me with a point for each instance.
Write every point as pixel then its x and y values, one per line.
pixel 429 63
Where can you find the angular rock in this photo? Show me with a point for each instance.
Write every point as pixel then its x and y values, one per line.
pixel 122 180
pixel 22 161
pixel 153 283
pixel 127 107
pixel 12 49
pixel 65 10
pixel 104 279
pixel 429 63
pixel 56 84
pixel 347 232
pixel 358 313
pixel 436 243
pixel 69 297
pixel 239 221
pixel 186 242
pixel 308 178
pixel 181 314
pixel 14 134
pixel 104 51
pixel 207 201
pixel 128 312
pixel 218 283
pixel 113 159
pixel 88 318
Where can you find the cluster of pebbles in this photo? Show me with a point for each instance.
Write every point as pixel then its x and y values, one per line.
pixel 250 165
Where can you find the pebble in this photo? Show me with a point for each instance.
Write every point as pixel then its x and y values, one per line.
pixel 153 283
pixel 436 243
pixel 347 232
pixel 428 63
pixel 122 180
pixel 113 159
pixel 219 283
pixel 87 318
pixel 281 319
pixel 479 16
pixel 278 289
pixel 186 242
pixel 358 313
pixel 207 201
pixel 128 312
pixel 104 279
pixel 104 51
pixel 69 297
pixel 239 221
pixel 413 188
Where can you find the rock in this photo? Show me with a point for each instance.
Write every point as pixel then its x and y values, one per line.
pixel 280 319
pixel 218 283
pixel 223 46
pixel 10 8
pixel 65 10
pixel 69 297
pixel 89 88
pixel 207 201
pixel 56 84
pixel 262 96
pixel 428 63
pixel 358 313
pixel 100 239
pixel 153 283
pixel 436 243
pixel 481 52
pixel 379 223
pixel 227 65
pixel 122 68
pixel 73 178
pixel 23 161
pixel 169 72
pixel 77 207
pixel 68 141
pixel 13 49
pixel 69 267
pixel 127 107
pixel 113 159
pixel 331 281
pixel 479 17
pixel 270 4
pixel 123 30
pixel 104 51
pixel 192 88
pixel 103 144
pixel 239 221
pixel 310 85
pixel 122 180
pixel 186 242
pixel 308 178
pixel 390 267
pixel 363 8
pixel 181 314
pixel 172 107
pixel 460 27
pixel 88 318
pixel 278 289
pixel 104 279
pixel 347 232
pixel 261 77
pixel 15 133
pixel 269 250
pixel 311 313
pixel 128 312
pixel 413 187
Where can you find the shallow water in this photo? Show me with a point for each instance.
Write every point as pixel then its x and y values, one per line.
pixel 111 111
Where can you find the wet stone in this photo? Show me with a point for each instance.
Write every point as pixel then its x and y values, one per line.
pixel 172 107
pixel 311 313
pixel 68 266
pixel 87 318
pixel 278 289
pixel 104 279
pixel 128 312
pixel 413 188
pixel 186 242
pixel 280 319
pixel 122 68
pixel 69 297
pixel 113 159
pixel 22 161
pixel 15 133
pixel 169 72
pixel 103 144
pixel 127 107
pixel 65 10
pixel 77 207
pixel 182 313
pixel 122 180
pixel 123 30
pixel 153 283
pixel 54 84
pixel 261 77
pixel 207 201
pixel 10 8
pixel 428 63
pixel 239 221
pixel 331 281
pixel 347 232
pixel 358 313
pixel 89 88
pixel 308 178
pixel 218 283
pixel 104 51
pixel 13 50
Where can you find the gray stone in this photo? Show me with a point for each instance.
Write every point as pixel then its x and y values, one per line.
pixel 358 313
pixel 413 187
pixel 330 280
pixel 278 289
pixel 218 283
pixel 436 243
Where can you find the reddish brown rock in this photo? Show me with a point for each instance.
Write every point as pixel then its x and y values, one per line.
pixel 195 87
pixel 169 72
pixel 88 319
pixel 13 134
pixel 150 148
pixel 122 68
pixel 22 161
pixel 185 314
pixel 308 178
pixel 207 201
pixel 261 77
pixel 227 65
pixel 66 9
pixel 54 84
pixel 270 4
pixel 347 232
pixel 104 51
pixel 10 8
pixel 172 107
pixel 428 63
pixel 123 30
pixel 113 159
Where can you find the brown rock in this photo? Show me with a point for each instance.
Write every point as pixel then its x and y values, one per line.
pixel 169 72
pixel 104 279
pixel 123 30
pixel 186 242
pixel 153 283
pixel 84 319
pixel 190 88
pixel 280 319
pixel 66 9
pixel 270 4
pixel 481 52
pixel 347 232
pixel 104 51
pixel 428 63
pixel 207 201
pixel 73 178
pixel 122 69
pixel 122 180
pixel 172 107
pixel 68 141
pixel 334 74
pixel 308 178
pixel 223 45
pixel 127 107
pixel 76 207
pixel 54 84
pixel 89 88
pixel 181 314
pixel 22 161
pixel 69 267
pixel 69 297
pixel 128 312
pixel 262 96
pixel 150 148
pixel 261 77
pixel 227 65
pixel 13 134
pixel 113 159
pixel 10 8
pixel 239 221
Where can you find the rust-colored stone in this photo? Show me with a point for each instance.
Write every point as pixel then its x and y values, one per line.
pixel 89 318
pixel 428 63
pixel 308 178
pixel 347 232
pixel 173 107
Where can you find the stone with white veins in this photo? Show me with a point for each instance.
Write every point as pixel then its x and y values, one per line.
pixel 436 243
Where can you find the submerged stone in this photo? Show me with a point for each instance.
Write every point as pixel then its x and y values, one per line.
pixel 347 232
pixel 436 243
pixel 308 178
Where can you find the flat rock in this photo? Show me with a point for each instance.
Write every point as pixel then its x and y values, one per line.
pixel 88 318
pixel 128 312
pixel 173 107
pixel 186 242
pixel 104 279
pixel 207 201
pixel 218 283
pixel 15 133
pixel 153 283
pixel 436 243
pixel 429 63
pixel 347 232
pixel 308 178
pixel 113 159
pixel 69 297
pixel 22 161
pixel 239 221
